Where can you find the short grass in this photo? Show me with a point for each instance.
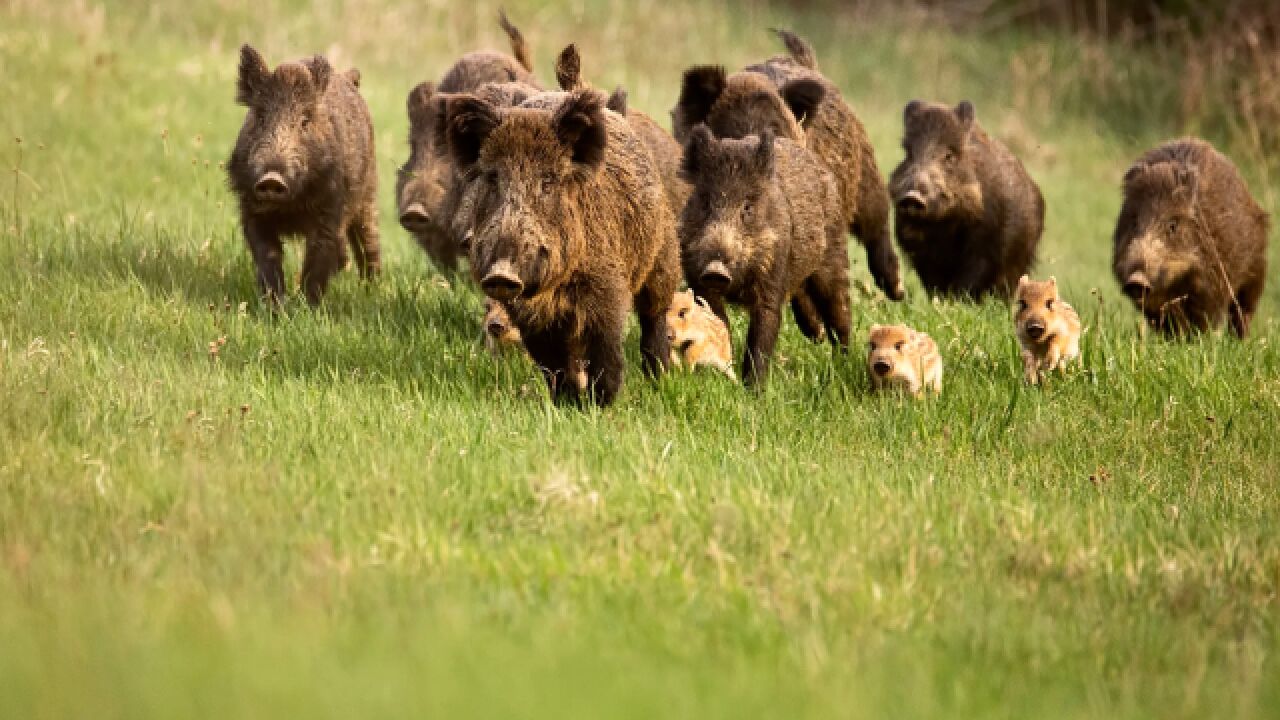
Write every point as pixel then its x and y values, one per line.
pixel 356 513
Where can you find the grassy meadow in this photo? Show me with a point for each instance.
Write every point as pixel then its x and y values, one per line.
pixel 356 512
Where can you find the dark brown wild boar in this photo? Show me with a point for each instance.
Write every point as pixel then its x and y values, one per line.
pixel 665 150
pixel 1190 242
pixel 304 165
pixel 969 217
pixel 425 178
pixel 571 231
pixel 789 95
pixel 763 224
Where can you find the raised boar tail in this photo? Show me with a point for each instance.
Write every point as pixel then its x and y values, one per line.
pixel 800 50
pixel 519 47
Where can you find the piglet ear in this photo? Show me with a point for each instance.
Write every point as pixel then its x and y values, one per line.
pixel 701 87
pixel 468 123
pixel 696 152
pixel 965 113
pixel 580 125
pixel 803 98
pixel 253 75
pixel 875 328
pixel 762 160
pixel 321 71
pixel 1053 282
pixel 1022 281
pixel 569 69
pixel 421 107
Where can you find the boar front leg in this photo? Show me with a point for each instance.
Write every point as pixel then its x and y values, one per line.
pixel 973 278
pixel 268 258
pixel 806 314
pixel 602 346
pixel 652 303
pixel 762 336
pixel 550 351
pixel 362 234
pixel 326 255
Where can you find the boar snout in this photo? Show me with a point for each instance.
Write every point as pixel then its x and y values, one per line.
pixel 1035 330
pixel 1137 286
pixel 502 282
pixel 496 328
pixel 271 186
pixel 881 368
pixel 415 218
pixel 912 202
pixel 715 276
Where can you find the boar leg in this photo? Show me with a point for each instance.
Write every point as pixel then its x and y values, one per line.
pixel 326 254
pixel 652 303
pixel 871 225
pixel 605 364
pixel 762 336
pixel 362 234
pixel 1244 306
pixel 830 287
pixel 806 314
pixel 973 279
pixel 551 354
pixel 268 258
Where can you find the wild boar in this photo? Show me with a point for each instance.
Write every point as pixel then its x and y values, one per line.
pixel 425 179
pixel 791 97
pixel 763 224
pixel 304 165
pixel 570 232
pixel 1190 245
pixel 969 217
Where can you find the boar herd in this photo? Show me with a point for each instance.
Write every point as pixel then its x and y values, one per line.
pixel 573 210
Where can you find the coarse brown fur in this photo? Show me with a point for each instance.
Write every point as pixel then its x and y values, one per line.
pixel 763 225
pixel 1190 245
pixel 571 231
pixel 662 146
pixel 788 95
pixel 1048 328
pixel 304 165
pixel 901 358
pixel 697 336
pixel 426 178
pixel 969 217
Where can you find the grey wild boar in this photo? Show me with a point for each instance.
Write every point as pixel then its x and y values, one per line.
pixel 1190 245
pixel 425 179
pixel 790 96
pixel 304 165
pixel 763 225
pixel 571 231
pixel 969 217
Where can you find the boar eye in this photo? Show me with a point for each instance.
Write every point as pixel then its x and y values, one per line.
pixel 898 346
pixel 683 312
pixel 548 183
pixel 1048 304
pixel 1022 305
pixel 1173 225
pixel 747 209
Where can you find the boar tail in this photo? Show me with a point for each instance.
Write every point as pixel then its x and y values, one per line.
pixel 519 47
pixel 800 51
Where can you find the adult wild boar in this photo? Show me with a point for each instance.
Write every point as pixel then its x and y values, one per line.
pixel 1190 242
pixel 763 225
pixel 790 96
pixel 969 217
pixel 570 231
pixel 425 179
pixel 304 165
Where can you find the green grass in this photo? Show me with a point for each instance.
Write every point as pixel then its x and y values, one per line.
pixel 356 512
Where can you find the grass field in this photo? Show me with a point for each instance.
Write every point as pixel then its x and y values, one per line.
pixel 356 513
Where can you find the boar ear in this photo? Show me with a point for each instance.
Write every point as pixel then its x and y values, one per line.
pixel 321 71
pixel 569 69
pixel 1022 281
pixel 253 75
pixel 420 105
pixel 695 153
pixel 1132 174
pixel 1188 177
pixel 1053 282
pixel 580 126
pixel 875 328
pixel 618 101
pixel 353 76
pixel 762 160
pixel 911 111
pixel 964 112
pixel 468 122
pixel 803 97
pixel 701 87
